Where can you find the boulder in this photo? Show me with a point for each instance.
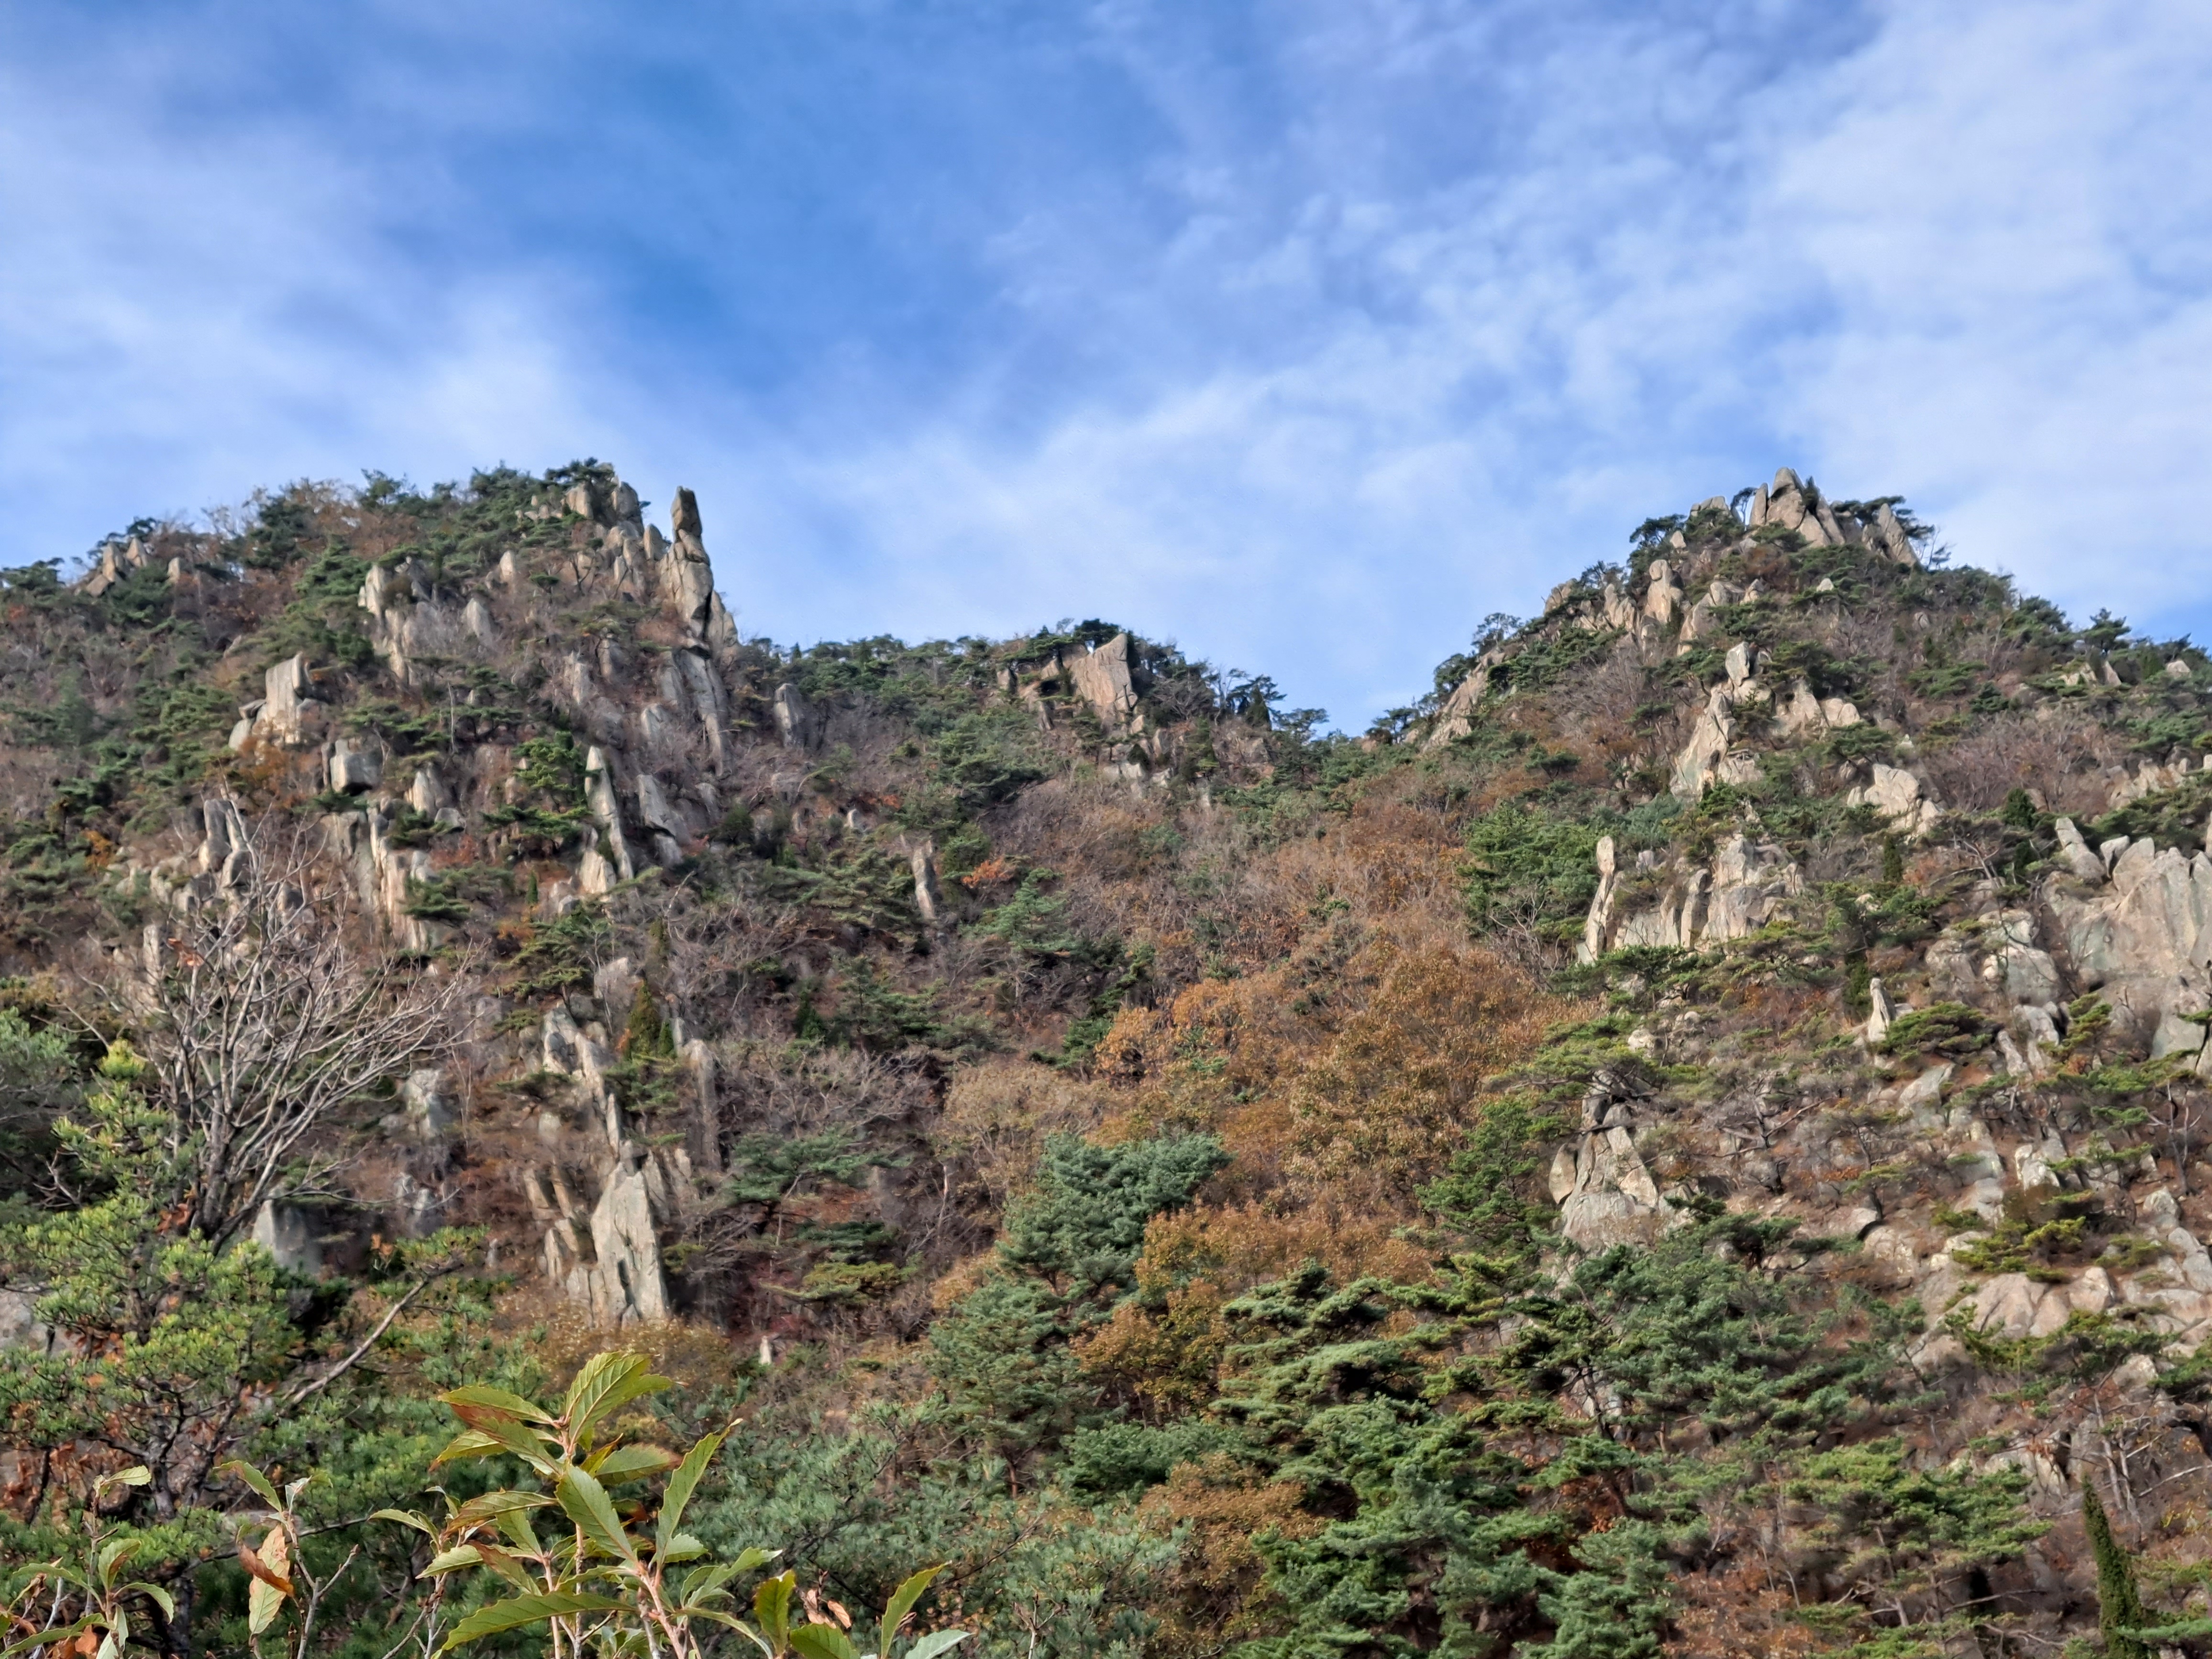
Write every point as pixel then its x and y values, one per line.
pixel 1102 678
pixel 1886 536
pixel 355 766
pixel 288 714
pixel 928 898
pixel 1662 600
pixel 2074 854
pixel 288 1233
pixel 428 1107
pixel 1884 1013
pixel 1455 718
pixel 1895 794
pixel 796 721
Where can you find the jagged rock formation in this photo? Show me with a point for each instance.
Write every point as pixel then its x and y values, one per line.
pixel 2136 924
pixel 1686 907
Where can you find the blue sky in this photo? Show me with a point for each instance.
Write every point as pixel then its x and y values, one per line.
pixel 1303 333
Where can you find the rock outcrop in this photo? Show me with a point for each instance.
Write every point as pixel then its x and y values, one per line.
pixel 2140 935
pixel 1656 902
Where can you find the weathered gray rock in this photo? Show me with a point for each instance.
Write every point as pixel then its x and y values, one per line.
pixel 610 861
pixel 1886 535
pixel 1884 1014
pixel 1709 756
pixel 21 1326
pixel 355 766
pixel 1610 1198
pixel 2084 865
pixel 1689 908
pixel 1896 794
pixel 928 897
pixel 1455 719
pixel 2144 939
pixel 1925 1090
pixel 1662 600
pixel 687 583
pixel 289 716
pixel 624 1284
pixel 1750 881
pixel 1801 712
pixel 427 1104
pixel 1102 678
pixel 796 721
pixel 288 1233
pixel 1997 959
pixel 223 848
pixel 427 793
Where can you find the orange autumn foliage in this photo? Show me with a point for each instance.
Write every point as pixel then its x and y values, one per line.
pixel 1379 1117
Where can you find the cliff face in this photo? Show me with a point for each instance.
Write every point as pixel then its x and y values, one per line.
pixel 1781 897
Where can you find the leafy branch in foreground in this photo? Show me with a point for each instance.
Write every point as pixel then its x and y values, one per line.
pixel 604 1584
pixel 89 1595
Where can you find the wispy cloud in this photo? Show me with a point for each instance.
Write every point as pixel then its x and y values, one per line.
pixel 1305 331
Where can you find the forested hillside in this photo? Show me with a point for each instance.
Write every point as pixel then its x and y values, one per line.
pixel 1689 1140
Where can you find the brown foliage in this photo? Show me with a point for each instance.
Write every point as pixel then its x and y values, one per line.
pixel 1378 1117
pixel 1216 1598
pixel 1165 1345
pixel 2063 758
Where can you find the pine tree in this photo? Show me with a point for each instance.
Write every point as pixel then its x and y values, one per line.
pixel 2119 1609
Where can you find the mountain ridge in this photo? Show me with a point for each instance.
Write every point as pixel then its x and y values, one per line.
pixel 1696 1119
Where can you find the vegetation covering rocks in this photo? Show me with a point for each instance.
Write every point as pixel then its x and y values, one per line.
pixel 1688 1140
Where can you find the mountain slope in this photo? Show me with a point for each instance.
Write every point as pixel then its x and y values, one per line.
pixel 1686 1138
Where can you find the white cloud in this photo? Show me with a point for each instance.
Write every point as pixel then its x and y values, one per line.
pixel 1355 322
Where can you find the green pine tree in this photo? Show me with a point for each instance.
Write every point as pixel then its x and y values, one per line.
pixel 2119 1607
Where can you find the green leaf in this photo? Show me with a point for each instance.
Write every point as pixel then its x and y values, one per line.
pixel 901 1604
pixel 735 1624
pixel 473 1442
pixel 482 1394
pixel 405 1518
pixel 514 1526
pixel 263 1602
pixel 709 1579
pixel 620 1464
pixel 508 1433
pixel 585 1501
pixel 520 1610
pixel 136 1475
pixel 114 1553
pixel 487 1505
pixel 508 1567
pixel 822 1642
pixel 59 1635
pixel 607 1381
pixel 772 1607
pixel 682 1485
pixel 461 1555
pixel 159 1596
pixel 681 1547
pixel 245 1472
pixel 929 1646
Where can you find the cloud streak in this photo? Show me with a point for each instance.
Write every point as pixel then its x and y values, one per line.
pixel 1306 332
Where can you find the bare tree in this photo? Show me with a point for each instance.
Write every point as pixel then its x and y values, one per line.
pixel 266 1028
